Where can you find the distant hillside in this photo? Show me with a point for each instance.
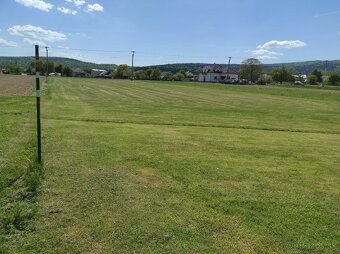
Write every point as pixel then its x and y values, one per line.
pixel 24 62
pixel 299 67
pixel 192 67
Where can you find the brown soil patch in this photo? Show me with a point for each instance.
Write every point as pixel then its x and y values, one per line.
pixel 11 85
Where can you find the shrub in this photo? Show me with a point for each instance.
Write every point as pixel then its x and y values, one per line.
pixel 333 79
pixel 312 79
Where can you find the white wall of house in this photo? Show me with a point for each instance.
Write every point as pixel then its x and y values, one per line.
pixel 209 77
pixel 215 77
pixel 232 76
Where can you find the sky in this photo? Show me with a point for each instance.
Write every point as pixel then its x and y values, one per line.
pixel 172 31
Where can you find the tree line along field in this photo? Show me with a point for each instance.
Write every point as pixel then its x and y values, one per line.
pixel 170 167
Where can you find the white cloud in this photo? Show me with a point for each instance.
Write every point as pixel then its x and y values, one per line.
pixel 34 42
pixel 77 3
pixel 320 15
pixel 36 33
pixel 38 4
pixel 63 47
pixel 261 52
pixel 67 11
pixel 266 57
pixel 282 44
pixel 3 42
pixel 94 7
pixel 264 54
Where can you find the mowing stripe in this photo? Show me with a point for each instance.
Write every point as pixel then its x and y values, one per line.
pixel 193 125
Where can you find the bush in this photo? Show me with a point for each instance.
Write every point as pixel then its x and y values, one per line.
pixel 312 79
pixel 269 79
pixel 265 79
pixel 333 79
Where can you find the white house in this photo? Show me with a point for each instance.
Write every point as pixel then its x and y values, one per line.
pixel 216 73
pixel 98 73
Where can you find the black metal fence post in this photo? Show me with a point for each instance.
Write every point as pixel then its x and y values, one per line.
pixel 37 82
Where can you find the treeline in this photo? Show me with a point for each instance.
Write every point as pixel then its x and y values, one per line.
pixel 175 68
pixel 45 67
pixel 252 70
pixel 125 72
pixel 25 61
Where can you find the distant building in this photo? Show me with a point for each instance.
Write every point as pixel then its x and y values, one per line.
pixel 166 75
pixel 95 73
pixel 302 78
pixel 77 72
pixel 217 73
pixel 189 74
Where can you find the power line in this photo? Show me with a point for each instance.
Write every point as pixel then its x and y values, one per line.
pixel 273 61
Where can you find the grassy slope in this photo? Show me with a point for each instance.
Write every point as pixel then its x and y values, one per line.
pixel 151 167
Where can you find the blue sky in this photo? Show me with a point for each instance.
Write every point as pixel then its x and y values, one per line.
pixel 171 31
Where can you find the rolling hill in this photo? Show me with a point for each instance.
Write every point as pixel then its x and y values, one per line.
pixel 72 63
pixel 299 67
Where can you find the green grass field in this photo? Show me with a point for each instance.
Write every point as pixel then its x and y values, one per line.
pixel 156 167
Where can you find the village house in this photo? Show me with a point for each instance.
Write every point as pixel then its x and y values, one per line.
pixel 166 75
pixel 95 73
pixel 302 78
pixel 217 73
pixel 77 72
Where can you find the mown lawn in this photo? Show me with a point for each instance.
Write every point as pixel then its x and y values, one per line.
pixel 17 194
pixel 153 167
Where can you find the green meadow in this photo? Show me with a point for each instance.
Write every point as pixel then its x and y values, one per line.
pixel 170 167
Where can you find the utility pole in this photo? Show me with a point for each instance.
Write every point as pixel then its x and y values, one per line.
pixel 46 62
pixel 228 69
pixel 133 56
pixel 37 82
pixel 323 83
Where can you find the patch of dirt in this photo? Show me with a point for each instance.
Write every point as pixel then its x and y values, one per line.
pixel 11 85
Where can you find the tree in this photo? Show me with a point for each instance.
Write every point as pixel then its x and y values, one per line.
pixel 148 73
pixel 141 75
pixel 318 75
pixel 265 79
pixel 179 76
pixel 59 68
pixel 251 69
pixel 155 74
pixel 333 79
pixel 312 79
pixel 14 69
pixel 67 72
pixel 50 67
pixel 123 71
pixel 282 74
